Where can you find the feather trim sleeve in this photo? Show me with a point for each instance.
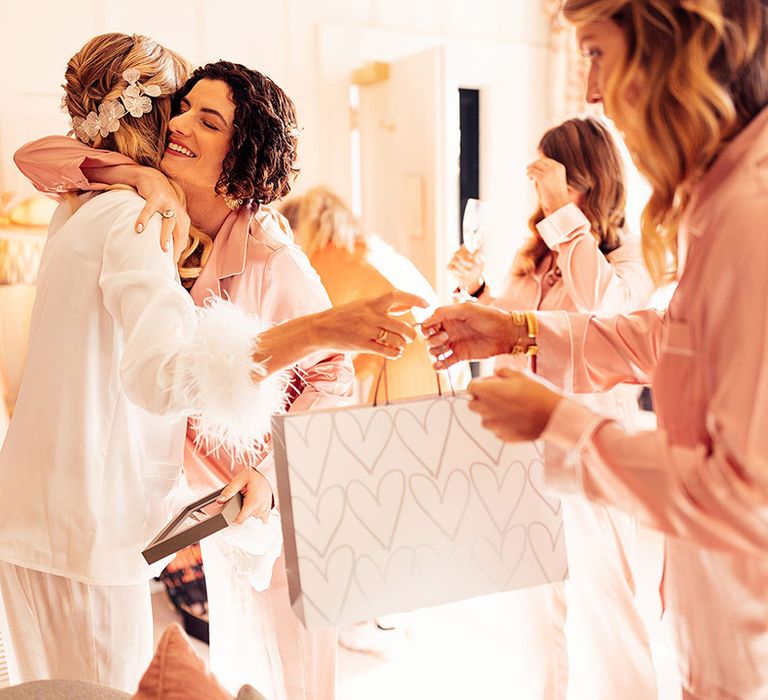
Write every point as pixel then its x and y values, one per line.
pixel 231 396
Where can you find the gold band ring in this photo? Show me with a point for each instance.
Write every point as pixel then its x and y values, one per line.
pixel 168 213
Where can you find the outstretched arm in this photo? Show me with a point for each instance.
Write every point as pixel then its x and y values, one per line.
pixel 581 353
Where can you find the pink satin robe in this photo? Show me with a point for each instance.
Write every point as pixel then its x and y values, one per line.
pixel 255 264
pixel 255 636
pixel 702 477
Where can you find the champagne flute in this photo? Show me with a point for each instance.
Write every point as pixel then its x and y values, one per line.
pixel 475 224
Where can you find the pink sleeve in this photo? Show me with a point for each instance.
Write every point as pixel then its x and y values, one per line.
pixel 56 164
pixel 609 285
pixel 327 377
pixel 704 475
pixel 584 354
pixel 707 495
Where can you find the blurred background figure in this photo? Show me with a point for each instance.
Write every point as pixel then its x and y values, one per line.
pixel 580 256
pixel 354 265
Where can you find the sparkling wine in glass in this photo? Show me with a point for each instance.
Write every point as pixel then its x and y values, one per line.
pixel 476 224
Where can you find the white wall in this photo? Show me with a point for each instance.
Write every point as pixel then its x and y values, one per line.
pixel 280 38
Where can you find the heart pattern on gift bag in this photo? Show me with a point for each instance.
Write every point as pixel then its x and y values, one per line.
pixel 365 444
pixel 426 439
pixel 331 585
pixel 380 513
pixel 309 448
pixel 500 562
pixel 499 496
pixel 318 528
pixel 536 480
pixel 410 509
pixel 444 508
pixel 472 426
pixel 394 575
pixel 544 545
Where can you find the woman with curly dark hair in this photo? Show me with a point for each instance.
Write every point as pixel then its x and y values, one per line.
pixel 262 148
pixel 232 147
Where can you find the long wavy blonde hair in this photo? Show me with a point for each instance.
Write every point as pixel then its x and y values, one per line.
pixel 95 74
pixel 701 67
pixel 593 168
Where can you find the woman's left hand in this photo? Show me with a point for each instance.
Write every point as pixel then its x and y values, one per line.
pixel 257 494
pixel 162 198
pixel 512 405
pixel 549 176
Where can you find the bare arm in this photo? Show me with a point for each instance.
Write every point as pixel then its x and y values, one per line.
pixel 352 327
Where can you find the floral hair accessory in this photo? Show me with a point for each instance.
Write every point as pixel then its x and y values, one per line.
pixel 135 100
pixel 292 130
pixel 104 123
pixel 136 96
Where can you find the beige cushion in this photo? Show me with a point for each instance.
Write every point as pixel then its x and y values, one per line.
pixel 61 690
pixel 247 692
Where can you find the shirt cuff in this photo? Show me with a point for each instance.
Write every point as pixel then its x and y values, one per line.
pixel 562 225
pixel 570 427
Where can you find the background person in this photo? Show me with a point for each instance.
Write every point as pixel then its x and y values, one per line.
pixel 355 265
pixel 579 257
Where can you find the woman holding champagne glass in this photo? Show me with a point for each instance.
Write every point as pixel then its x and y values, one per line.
pixel 579 257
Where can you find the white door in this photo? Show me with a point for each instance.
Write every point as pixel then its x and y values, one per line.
pixel 409 151
pixel 403 123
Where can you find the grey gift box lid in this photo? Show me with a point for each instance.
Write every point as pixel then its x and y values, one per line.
pixel 193 522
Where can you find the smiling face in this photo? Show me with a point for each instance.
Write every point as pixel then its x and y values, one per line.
pixel 200 136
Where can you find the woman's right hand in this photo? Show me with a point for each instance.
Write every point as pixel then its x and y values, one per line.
pixel 469 332
pixel 160 195
pixel 467 268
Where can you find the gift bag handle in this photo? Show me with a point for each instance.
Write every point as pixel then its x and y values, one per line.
pixel 383 375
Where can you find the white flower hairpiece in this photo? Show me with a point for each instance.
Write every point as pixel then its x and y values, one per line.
pixel 134 101
pixel 292 130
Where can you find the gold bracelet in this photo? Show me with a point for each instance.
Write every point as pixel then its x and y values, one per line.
pixel 532 324
pixel 518 319
pixel 526 320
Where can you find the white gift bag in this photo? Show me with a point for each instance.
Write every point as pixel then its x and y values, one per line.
pixel 412 504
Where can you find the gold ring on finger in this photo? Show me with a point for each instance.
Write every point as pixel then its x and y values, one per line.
pixel 382 336
pixel 168 213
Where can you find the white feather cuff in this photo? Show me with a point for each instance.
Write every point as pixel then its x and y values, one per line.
pixel 231 410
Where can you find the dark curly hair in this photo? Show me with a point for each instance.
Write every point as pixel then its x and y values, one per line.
pixel 259 165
